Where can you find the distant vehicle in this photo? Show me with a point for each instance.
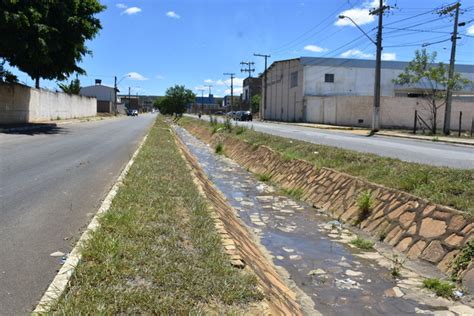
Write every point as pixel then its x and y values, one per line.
pixel 231 114
pixel 243 116
pixel 132 112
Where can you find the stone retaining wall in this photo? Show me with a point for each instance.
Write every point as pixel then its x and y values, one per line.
pixel 414 226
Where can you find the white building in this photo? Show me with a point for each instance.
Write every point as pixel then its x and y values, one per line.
pixel 99 91
pixel 105 96
pixel 340 91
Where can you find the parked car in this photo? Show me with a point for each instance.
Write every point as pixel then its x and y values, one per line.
pixel 243 116
pixel 219 113
pixel 132 112
pixel 231 114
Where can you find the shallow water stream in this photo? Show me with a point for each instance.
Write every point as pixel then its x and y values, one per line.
pixel 339 279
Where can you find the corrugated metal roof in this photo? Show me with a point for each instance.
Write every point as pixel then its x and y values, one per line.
pixel 365 63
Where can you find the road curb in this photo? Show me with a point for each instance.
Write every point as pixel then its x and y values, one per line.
pixel 425 139
pixel 61 280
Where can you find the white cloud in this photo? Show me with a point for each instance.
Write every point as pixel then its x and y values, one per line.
pixel 136 76
pixel 172 14
pixel 237 91
pixel 132 10
pixel 219 82
pixel 389 56
pixel 208 81
pixel 470 30
pixel 159 77
pixel 315 48
pixel 360 15
pixel 355 53
pixel 121 6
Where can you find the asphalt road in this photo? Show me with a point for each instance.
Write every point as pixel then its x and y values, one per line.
pixel 51 184
pixel 419 151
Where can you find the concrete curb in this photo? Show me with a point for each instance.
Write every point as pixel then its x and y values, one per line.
pixel 61 280
pixel 445 141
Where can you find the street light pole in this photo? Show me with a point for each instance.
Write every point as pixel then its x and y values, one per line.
pixel 378 62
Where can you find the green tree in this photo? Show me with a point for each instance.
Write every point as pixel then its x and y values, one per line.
pixel 46 38
pixel 175 100
pixel 256 99
pixel 5 75
pixel 432 78
pixel 74 87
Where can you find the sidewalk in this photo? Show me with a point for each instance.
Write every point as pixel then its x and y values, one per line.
pixel 390 133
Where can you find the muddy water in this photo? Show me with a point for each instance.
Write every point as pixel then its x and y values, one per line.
pixel 306 243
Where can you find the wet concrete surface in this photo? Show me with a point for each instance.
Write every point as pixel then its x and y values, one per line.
pixel 339 279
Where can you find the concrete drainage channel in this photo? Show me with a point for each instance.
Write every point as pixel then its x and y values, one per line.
pixel 315 251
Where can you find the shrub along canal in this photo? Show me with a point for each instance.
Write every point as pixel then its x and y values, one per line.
pixel 315 251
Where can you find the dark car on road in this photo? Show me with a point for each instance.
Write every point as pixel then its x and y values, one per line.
pixel 243 116
pixel 132 112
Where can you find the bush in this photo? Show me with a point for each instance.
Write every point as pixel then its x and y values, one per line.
pixel 364 202
pixel 264 177
pixel 440 288
pixel 362 243
pixel 219 149
pixel 228 125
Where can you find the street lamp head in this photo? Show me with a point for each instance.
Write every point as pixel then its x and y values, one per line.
pixel 342 16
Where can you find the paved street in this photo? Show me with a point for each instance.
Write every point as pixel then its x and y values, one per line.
pixel 51 184
pixel 432 153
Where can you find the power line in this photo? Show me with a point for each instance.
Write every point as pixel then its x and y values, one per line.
pixel 292 42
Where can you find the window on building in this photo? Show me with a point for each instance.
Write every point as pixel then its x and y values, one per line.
pixel 294 79
pixel 328 77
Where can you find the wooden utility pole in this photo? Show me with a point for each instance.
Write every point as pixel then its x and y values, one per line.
pixel 249 64
pixel 378 66
pixel 449 91
pixel 262 111
pixel 231 89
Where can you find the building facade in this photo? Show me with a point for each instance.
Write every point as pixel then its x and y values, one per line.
pixel 251 87
pixel 340 91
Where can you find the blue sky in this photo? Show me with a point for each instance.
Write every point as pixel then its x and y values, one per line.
pixel 193 42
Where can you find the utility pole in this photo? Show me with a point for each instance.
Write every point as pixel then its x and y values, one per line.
pixel 129 100
pixel 202 100
pixel 262 111
pixel 378 66
pixel 449 91
pixel 115 95
pixel 231 89
pixel 249 64
pixel 209 86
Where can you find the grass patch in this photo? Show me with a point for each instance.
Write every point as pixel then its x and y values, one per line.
pixel 240 130
pixel 362 243
pixel 219 149
pixel 157 251
pixel 462 260
pixel 295 193
pixel 264 177
pixel 446 186
pixel 364 203
pixel 439 287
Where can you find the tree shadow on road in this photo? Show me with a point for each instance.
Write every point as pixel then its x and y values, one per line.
pixel 32 129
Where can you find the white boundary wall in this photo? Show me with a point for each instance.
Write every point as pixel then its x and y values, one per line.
pixel 22 104
pixel 396 112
